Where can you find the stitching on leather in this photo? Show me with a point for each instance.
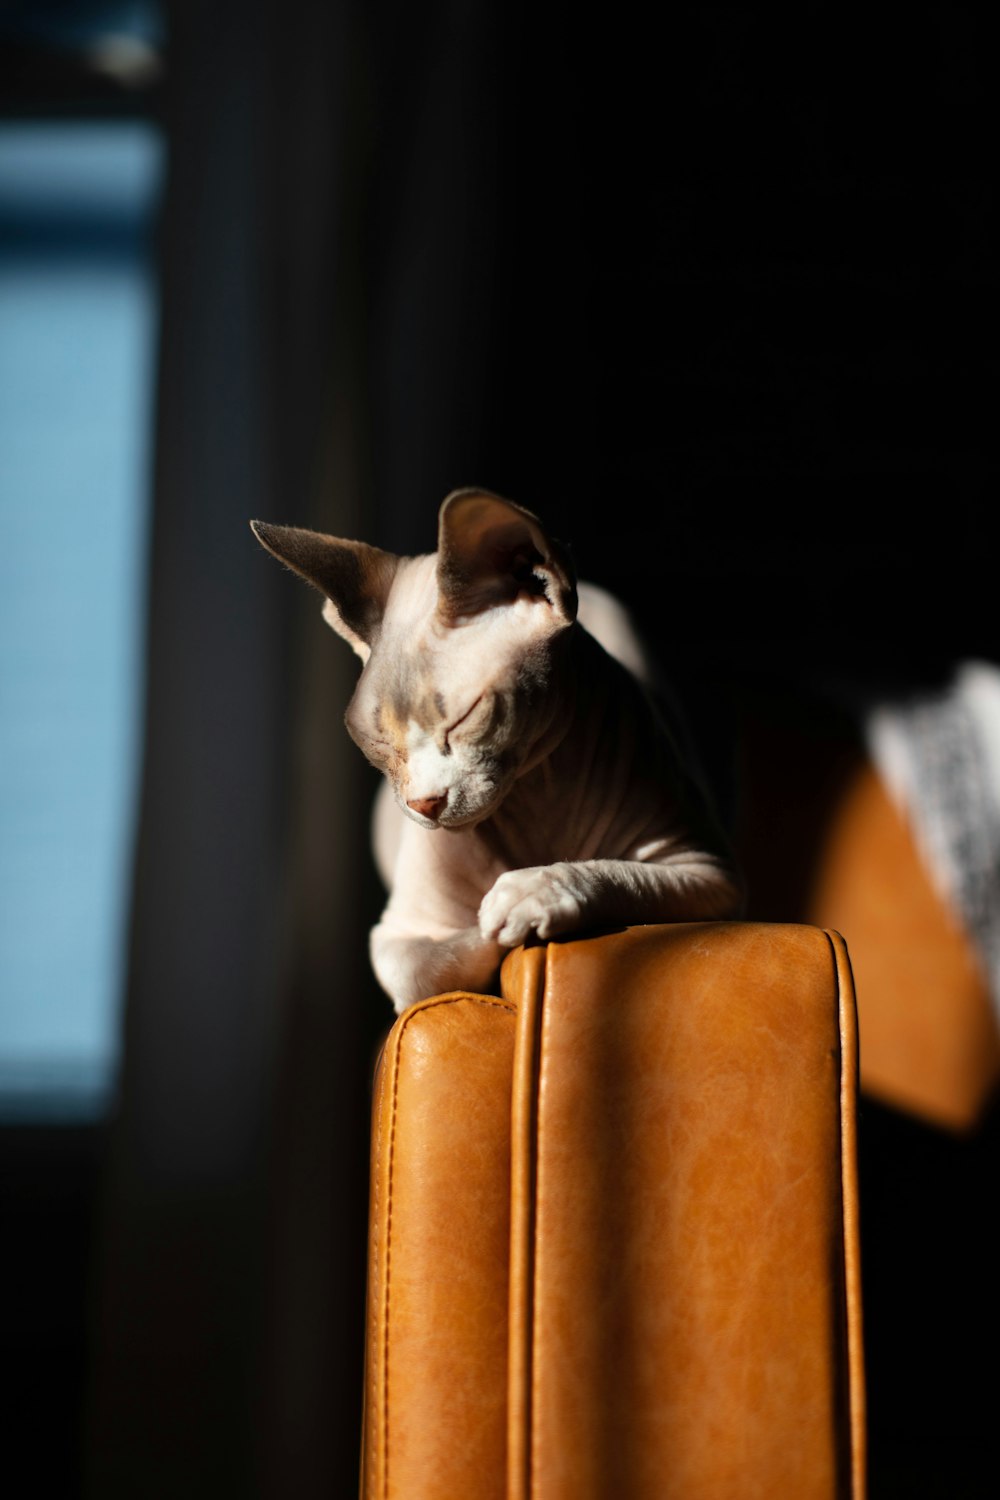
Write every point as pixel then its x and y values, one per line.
pixel 453 999
pixel 846 1377
pixel 375 1262
pixel 533 1249
pixel 389 1235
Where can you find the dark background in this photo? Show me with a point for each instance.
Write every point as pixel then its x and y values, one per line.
pixel 715 296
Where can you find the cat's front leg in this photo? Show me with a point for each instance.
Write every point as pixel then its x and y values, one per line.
pixel 411 966
pixel 546 900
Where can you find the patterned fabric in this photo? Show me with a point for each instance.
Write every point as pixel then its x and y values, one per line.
pixel 939 754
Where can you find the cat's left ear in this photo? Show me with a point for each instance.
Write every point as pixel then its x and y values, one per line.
pixel 491 551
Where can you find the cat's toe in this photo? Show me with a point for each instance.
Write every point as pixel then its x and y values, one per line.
pixel 497 906
pixel 519 926
pixel 492 919
pixel 529 902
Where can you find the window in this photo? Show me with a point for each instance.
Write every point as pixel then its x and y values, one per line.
pixel 78 196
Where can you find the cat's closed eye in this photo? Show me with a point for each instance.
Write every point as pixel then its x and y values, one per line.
pixel 464 720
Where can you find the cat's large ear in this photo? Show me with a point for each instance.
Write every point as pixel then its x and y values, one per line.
pixel 354 577
pixel 491 551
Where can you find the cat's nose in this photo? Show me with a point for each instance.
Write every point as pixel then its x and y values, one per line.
pixel 429 807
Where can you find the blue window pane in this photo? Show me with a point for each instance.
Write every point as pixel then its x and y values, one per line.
pixel 77 333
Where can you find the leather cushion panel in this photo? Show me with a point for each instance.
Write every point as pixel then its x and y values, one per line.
pixel 929 1037
pixel 435 1390
pixel 680 1321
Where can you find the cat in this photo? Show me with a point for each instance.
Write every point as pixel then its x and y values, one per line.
pixel 531 787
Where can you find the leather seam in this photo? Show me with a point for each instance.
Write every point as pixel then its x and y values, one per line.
pixel 542 1028
pixel 847 1066
pixel 411 1013
pixel 845 1378
pixel 375 1256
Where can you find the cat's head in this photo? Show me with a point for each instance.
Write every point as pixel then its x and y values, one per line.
pixel 459 649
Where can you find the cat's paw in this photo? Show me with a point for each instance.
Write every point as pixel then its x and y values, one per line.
pixel 544 900
pixel 411 968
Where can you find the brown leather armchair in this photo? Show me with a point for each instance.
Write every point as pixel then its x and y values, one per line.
pixel 614 1239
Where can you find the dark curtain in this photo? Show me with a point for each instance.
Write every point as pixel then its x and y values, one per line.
pixel 716 297
pixel 228 1314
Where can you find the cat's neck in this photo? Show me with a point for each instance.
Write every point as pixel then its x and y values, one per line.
pixel 578 677
pixel 591 728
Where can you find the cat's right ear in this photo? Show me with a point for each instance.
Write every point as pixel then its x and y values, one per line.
pixel 354 577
